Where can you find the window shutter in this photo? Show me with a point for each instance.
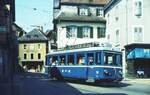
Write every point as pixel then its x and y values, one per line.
pixel 67 32
pixel 91 32
pixel 97 12
pixel 104 32
pixel 98 32
pixel 78 10
pixel 89 12
pixel 79 33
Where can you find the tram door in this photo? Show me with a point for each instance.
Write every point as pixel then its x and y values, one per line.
pixel 90 63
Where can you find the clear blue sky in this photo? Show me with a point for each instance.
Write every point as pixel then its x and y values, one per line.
pixel 34 12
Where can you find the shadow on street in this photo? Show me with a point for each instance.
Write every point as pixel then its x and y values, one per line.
pixel 39 84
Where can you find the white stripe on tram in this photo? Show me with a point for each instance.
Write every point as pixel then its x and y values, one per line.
pixel 93 66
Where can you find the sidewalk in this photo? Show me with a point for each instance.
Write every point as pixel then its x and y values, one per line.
pixel 143 81
pixel 11 87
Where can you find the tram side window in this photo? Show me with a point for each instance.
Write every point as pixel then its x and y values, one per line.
pixel 98 58
pixel 90 57
pixel 119 60
pixel 81 59
pixel 109 59
pixel 62 60
pixel 55 60
pixel 71 59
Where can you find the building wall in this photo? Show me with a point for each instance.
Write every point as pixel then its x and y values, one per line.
pixel 7 46
pixel 126 22
pixel 124 11
pixel 32 48
pixel 62 40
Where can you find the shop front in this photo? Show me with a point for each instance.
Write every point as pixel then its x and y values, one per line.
pixel 138 60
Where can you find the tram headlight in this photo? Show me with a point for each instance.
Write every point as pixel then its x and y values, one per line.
pixel 106 72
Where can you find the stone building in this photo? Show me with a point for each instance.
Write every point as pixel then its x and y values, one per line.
pixel 32 50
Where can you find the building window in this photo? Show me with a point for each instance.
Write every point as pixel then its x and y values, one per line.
pixel 28 36
pixel 71 31
pixel 99 12
pixel 25 56
pixel 85 32
pixel 138 34
pixel 56 3
pixel 39 56
pixel 25 46
pixel 32 56
pixel 83 11
pixel 32 46
pixel 39 46
pixel 36 36
pixel 138 8
pixel 116 19
pixel 117 36
pixel 108 19
pixel 101 32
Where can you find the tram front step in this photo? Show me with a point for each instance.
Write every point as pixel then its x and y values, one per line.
pixel 90 79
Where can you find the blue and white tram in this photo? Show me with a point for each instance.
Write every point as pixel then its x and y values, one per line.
pixel 89 63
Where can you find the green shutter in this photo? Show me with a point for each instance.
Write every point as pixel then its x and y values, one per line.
pixel 89 12
pixel 98 32
pixel 97 12
pixel 104 32
pixel 79 33
pixel 91 32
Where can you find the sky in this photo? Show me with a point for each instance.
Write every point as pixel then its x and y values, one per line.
pixel 31 13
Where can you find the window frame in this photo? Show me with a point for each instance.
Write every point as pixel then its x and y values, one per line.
pixel 117 36
pixel 39 46
pixel 83 11
pixel 24 56
pixel 25 46
pixel 72 31
pixel 99 12
pixel 137 8
pixel 32 56
pixel 140 36
pixel 86 30
pixel 39 56
pixel 100 33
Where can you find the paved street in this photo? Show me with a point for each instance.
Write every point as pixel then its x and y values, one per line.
pixel 38 84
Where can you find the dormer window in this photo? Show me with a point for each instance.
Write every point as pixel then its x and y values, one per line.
pixel 28 36
pixel 36 36
pixel 99 12
pixel 83 11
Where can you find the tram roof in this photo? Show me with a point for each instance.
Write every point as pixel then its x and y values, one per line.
pixel 83 50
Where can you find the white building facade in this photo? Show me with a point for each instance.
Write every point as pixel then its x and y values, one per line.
pixel 128 24
pixel 79 22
